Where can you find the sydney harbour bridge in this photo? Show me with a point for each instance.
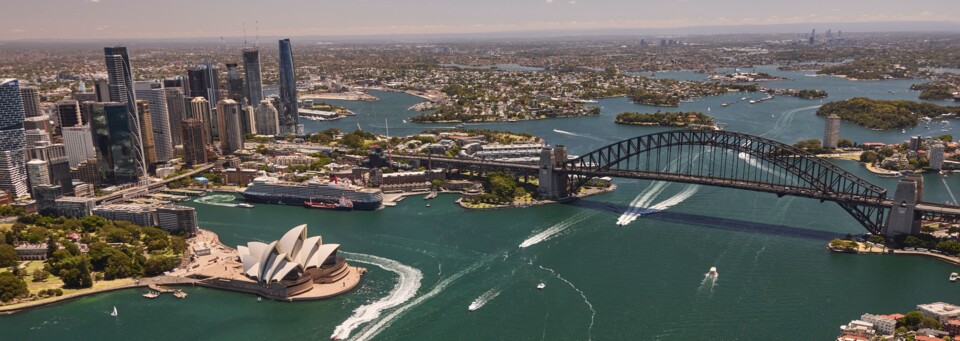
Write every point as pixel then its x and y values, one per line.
pixel 721 159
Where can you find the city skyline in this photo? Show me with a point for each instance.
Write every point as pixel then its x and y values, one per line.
pixel 110 19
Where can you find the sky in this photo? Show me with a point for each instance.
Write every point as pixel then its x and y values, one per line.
pixel 146 19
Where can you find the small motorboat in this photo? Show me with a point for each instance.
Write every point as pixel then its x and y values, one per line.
pixel 428 205
pixel 541 286
pixel 244 205
pixel 259 298
pixel 114 313
pixel 954 276
pixel 713 272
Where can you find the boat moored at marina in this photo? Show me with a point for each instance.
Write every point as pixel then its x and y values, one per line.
pixel 270 190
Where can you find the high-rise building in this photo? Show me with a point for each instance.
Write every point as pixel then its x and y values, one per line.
pixel 68 113
pixel 289 115
pixel 146 123
pixel 176 112
pixel 194 142
pixel 31 102
pixel 58 163
pixel 251 70
pixel 153 93
pixel 32 136
pixel 13 167
pixel 200 111
pixel 79 144
pixel 831 133
pixel 234 83
pixel 204 81
pixel 38 173
pixel 120 88
pixel 177 219
pixel 936 156
pixel 265 118
pixel 101 87
pixel 111 129
pixel 87 171
pixel 231 134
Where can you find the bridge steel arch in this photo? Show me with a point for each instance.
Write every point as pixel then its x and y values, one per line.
pixel 732 160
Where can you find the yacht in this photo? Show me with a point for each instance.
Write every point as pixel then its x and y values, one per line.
pixel 114 313
pixel 713 272
pixel 541 286
pixel 244 205
pixel 954 276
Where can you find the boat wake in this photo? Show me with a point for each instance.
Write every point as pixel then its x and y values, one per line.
pixel 753 162
pixel 564 132
pixel 593 312
pixel 785 120
pixel 642 206
pixel 484 298
pixel 371 331
pixel 217 200
pixel 552 231
pixel 406 288
pixel 709 282
pixel 950 192
pixel 642 200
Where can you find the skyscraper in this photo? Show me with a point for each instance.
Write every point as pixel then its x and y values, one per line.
pixel 936 156
pixel 231 134
pixel 251 70
pixel 57 163
pixel 153 93
pixel 13 167
pixel 38 173
pixel 204 81
pixel 831 133
pixel 31 102
pixel 110 127
pixel 68 112
pixel 79 144
pixel 289 115
pixel 266 118
pixel 200 111
pixel 176 112
pixel 234 83
pixel 120 88
pixel 194 142
pixel 147 141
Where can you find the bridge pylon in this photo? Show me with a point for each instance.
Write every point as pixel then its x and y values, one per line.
pixel 553 183
pixel 904 217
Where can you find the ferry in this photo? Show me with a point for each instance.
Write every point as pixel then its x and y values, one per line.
pixel 343 204
pixel 271 190
pixel 713 272
pixel 541 286
pixel 244 205
pixel 954 276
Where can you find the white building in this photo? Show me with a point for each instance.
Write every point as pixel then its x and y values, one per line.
pixel 79 143
pixel 883 324
pixel 936 156
pixel 940 310
pixel 159 118
pixel 858 328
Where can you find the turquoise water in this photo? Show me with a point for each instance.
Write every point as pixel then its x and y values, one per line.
pixel 643 280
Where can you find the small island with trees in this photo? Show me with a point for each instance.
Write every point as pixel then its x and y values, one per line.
pixel 666 119
pixel 935 91
pixel 884 114
pixel 870 69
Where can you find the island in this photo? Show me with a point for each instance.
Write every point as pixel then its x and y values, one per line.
pixel 871 69
pixel 884 114
pixel 691 119
pixel 935 91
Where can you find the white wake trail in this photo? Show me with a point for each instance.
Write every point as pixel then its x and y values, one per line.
pixel 678 198
pixel 643 200
pixel 373 330
pixel 948 190
pixel 216 199
pixel 564 132
pixel 593 312
pixel 552 231
pixel 484 298
pixel 406 288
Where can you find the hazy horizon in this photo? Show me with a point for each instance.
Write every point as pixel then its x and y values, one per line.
pixel 181 19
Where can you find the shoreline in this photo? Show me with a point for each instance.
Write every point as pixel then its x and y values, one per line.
pixel 864 249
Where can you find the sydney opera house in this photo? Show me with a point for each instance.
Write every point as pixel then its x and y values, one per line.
pixel 295 267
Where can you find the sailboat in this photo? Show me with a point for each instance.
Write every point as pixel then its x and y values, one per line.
pixel 114 313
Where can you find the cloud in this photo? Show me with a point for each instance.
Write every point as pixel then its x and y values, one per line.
pixel 572 2
pixel 549 1
pixel 102 27
pixel 93 1
pixel 18 30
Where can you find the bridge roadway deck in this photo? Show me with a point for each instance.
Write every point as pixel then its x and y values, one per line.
pixel 700 180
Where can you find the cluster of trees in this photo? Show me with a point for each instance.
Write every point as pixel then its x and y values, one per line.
pixel 934 91
pixel 647 97
pixel 811 94
pixel 868 69
pixel 915 320
pixel 951 247
pixel 883 114
pixel 672 119
pixel 501 188
pixel 840 244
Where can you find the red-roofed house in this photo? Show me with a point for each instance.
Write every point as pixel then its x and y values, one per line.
pixel 927 338
pixel 952 327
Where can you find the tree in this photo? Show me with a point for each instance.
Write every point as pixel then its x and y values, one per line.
pixel 11 287
pixel 40 275
pixel 845 143
pixel 869 157
pixel 51 246
pixel 949 246
pixel 437 183
pixel 8 255
pixel 92 223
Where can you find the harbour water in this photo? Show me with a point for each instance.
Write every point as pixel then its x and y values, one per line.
pixel 604 281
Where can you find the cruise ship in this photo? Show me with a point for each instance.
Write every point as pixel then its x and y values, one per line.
pixel 272 191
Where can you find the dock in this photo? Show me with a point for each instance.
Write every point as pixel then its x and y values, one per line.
pixel 156 290
pixel 433 194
